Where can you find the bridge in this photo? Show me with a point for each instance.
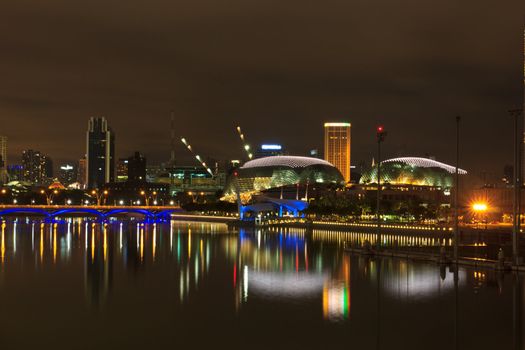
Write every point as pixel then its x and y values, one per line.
pixel 102 212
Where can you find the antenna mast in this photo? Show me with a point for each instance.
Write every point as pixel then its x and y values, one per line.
pixel 172 127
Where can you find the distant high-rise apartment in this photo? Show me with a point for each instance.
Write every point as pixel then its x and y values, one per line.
pixel 3 159
pixel 122 169
pixel 137 168
pixel 36 167
pixel 337 146
pixel 100 153
pixel 81 172
pixel 67 174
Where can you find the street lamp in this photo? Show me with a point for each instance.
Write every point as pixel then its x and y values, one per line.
pixel 49 196
pixel 146 199
pixel 4 191
pixel 99 196
pixel 480 208
pixel 380 135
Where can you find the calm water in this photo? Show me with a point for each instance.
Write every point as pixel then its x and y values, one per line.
pixel 78 284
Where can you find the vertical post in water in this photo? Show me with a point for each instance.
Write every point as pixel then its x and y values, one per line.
pixel 381 133
pixel 456 195
pixel 516 113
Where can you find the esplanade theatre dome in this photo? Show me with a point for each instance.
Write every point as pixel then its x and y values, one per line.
pixel 278 171
pixel 413 171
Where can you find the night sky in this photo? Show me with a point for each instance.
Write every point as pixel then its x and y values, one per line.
pixel 277 68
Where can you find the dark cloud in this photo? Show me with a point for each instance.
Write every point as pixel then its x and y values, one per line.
pixel 278 68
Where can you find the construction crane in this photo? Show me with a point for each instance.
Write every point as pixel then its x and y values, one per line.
pixel 199 159
pixel 244 144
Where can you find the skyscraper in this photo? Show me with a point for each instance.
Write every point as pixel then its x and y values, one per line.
pixel 67 174
pixel 137 168
pixel 81 172
pixel 122 169
pixel 37 167
pixel 100 153
pixel 3 159
pixel 337 146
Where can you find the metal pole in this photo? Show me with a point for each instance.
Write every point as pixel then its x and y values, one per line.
pixel 378 213
pixel 456 194
pixel 517 186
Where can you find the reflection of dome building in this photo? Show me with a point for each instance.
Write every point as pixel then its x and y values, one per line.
pixel 278 171
pixel 413 171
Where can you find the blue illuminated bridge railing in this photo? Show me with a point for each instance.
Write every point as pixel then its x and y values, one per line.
pixel 100 212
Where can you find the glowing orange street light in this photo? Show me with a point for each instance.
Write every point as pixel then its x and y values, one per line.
pixel 146 197
pixel 49 196
pixel 479 207
pixel 99 196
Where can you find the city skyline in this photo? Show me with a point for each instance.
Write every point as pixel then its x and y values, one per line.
pixel 438 65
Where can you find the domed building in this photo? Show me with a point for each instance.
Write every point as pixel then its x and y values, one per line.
pixel 274 172
pixel 413 171
pixel 56 185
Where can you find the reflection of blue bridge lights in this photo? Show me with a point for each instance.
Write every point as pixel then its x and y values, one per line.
pixel 286 240
pixel 292 241
pixel 149 215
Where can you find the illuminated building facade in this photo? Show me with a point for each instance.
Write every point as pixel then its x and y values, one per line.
pixel 413 171
pixel 269 173
pixel 67 174
pixel 190 178
pixel 122 169
pixel 100 153
pixel 268 150
pixel 37 167
pixel 337 147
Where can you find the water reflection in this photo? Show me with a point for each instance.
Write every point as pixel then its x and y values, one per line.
pixel 200 277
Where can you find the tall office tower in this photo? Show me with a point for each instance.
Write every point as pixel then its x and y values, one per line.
pixel 48 167
pixel 122 170
pixel 137 168
pixel 100 153
pixel 3 160
pixel 35 166
pixel 81 172
pixel 337 146
pixel 67 174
